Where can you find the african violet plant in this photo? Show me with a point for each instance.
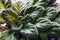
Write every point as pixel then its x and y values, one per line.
pixel 37 21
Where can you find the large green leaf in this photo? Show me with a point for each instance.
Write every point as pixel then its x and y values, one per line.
pixel 43 24
pixel 46 25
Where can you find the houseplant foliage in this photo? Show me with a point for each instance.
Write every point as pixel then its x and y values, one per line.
pixel 37 21
pixel 4 5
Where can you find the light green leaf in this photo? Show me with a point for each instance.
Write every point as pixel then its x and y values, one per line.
pixel 10 17
pixel 5 4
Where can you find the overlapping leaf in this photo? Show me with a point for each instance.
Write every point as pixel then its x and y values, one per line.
pixel 32 13
pixel 33 26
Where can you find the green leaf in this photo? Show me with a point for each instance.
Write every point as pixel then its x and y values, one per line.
pixel 17 7
pixel 43 24
pixel 29 34
pixel 33 2
pixel 41 2
pixel 1 6
pixel 57 30
pixel 11 17
pixel 57 19
pixel 1 20
pixel 50 13
pixel 11 37
pixel 44 36
pixel 32 13
pixel 7 35
pixel 4 4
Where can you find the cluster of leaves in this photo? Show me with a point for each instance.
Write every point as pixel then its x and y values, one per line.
pixel 37 21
